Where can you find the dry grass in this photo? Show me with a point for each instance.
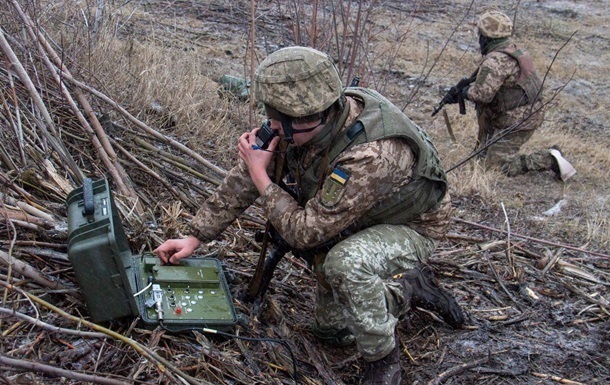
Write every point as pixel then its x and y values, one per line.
pixel 140 58
pixel 155 66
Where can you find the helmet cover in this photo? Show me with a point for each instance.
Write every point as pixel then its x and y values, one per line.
pixel 495 24
pixel 297 81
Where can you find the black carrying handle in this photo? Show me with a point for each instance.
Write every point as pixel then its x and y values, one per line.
pixel 88 197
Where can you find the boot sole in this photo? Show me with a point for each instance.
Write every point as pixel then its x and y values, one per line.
pixel 444 304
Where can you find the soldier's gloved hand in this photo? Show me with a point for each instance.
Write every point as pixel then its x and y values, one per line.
pixel 451 97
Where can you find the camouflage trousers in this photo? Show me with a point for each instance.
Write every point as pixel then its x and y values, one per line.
pixel 504 154
pixel 355 286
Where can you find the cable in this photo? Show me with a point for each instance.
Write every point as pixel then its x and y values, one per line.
pixel 214 331
pixel 143 290
pixel 282 342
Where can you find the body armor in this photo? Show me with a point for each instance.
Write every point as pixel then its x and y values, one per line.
pixel 526 89
pixel 380 119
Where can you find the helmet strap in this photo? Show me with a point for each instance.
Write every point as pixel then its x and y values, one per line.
pixel 324 116
pixel 289 131
pixel 336 120
pixel 286 122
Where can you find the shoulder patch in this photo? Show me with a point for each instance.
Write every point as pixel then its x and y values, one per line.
pixel 334 187
pixel 339 175
pixel 482 76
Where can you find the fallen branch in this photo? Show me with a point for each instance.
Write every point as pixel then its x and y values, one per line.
pixel 37 99
pixel 49 327
pixel 29 272
pixel 26 207
pixel 163 365
pixel 542 241
pixel 561 380
pixel 57 372
pixel 153 174
pixel 457 370
pixel 42 252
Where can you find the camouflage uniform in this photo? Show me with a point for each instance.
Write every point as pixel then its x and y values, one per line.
pixel 498 73
pixel 355 285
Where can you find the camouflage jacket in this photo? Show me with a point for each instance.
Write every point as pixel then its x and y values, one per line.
pixel 498 72
pixel 377 170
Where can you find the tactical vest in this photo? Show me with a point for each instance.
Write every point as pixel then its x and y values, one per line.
pixel 380 119
pixel 526 89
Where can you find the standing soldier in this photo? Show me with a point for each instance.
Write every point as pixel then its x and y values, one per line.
pixel 370 203
pixel 507 93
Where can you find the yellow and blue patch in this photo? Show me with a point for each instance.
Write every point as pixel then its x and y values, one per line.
pixel 334 187
pixel 339 175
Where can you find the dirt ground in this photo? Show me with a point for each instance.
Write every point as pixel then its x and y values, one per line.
pixel 535 298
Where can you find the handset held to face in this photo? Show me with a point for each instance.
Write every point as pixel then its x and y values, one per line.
pixel 265 135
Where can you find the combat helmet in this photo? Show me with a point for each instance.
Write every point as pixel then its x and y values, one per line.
pixel 297 81
pixel 495 24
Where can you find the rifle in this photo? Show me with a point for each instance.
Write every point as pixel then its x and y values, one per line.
pixel 272 242
pixel 455 93
pixel 277 247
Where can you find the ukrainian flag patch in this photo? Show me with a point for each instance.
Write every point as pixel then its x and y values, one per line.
pixel 334 187
pixel 339 175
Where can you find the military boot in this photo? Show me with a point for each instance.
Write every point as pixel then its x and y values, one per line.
pixel 386 371
pixel 333 337
pixel 561 167
pixel 428 295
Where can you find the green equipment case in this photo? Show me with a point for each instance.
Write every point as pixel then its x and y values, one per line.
pixel 117 284
pixel 99 252
pixel 186 296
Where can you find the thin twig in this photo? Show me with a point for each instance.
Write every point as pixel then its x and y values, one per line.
pixel 457 370
pixel 58 372
pixel 163 365
pixel 561 380
pixel 500 281
pixel 51 328
pixel 509 255
pixel 28 271
pixel 538 240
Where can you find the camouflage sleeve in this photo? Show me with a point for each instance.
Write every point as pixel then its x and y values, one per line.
pixel 493 72
pixel 369 173
pixel 234 195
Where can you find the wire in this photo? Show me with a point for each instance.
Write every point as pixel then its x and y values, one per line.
pixel 214 331
pixel 143 290
pixel 282 342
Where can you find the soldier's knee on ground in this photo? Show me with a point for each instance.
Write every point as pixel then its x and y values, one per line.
pixel 515 166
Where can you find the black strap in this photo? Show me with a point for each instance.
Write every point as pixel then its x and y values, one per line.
pixel 354 130
pixel 89 205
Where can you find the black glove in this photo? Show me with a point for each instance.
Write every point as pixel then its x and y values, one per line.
pixel 451 97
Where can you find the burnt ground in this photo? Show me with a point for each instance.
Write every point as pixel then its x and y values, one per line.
pixel 536 306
